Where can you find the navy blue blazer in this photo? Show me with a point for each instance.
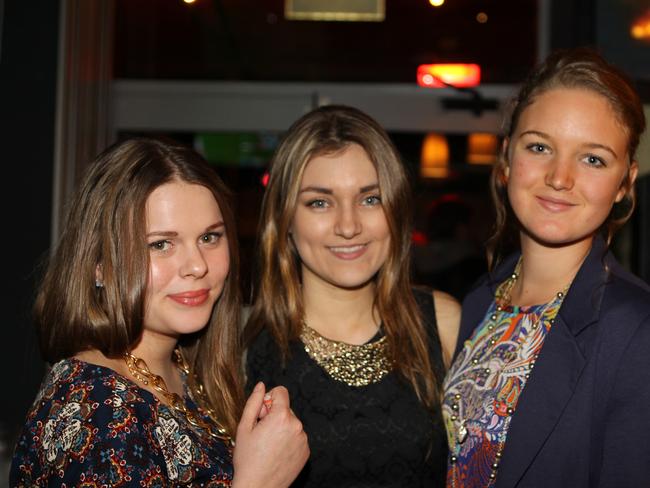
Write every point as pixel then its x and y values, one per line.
pixel 583 419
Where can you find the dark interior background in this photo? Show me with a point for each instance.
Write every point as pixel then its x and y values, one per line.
pixel 247 40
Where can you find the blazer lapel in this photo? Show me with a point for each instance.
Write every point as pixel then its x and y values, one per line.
pixel 541 403
pixel 556 372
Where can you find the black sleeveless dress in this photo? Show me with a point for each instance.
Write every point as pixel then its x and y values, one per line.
pixel 377 435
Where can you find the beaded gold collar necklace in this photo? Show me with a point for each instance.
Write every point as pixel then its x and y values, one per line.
pixel 354 365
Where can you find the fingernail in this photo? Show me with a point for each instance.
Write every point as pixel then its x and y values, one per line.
pixel 268 401
pixel 258 386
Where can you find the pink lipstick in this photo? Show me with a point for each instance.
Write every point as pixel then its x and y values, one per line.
pixel 554 204
pixel 348 252
pixel 191 298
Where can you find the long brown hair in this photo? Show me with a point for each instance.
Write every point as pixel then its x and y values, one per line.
pixel 585 69
pixel 105 227
pixel 278 304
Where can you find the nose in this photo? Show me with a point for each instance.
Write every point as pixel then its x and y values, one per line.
pixel 194 263
pixel 348 223
pixel 560 174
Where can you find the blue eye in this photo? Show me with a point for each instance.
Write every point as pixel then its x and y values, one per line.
pixel 537 148
pixel 317 203
pixel 162 246
pixel 592 160
pixel 372 200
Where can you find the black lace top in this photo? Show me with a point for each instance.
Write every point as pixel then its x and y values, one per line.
pixel 377 435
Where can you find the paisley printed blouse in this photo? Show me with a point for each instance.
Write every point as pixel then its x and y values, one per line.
pixel 92 427
pixel 484 384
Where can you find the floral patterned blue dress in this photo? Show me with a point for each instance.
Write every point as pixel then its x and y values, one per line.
pixel 91 427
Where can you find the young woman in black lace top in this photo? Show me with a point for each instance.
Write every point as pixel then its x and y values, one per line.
pixel 335 318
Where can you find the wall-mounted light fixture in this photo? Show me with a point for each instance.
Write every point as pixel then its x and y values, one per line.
pixel 640 28
pixel 336 10
pixel 462 78
pixel 434 158
pixel 482 148
pixel 460 75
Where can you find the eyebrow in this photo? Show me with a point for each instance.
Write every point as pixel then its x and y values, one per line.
pixel 595 145
pixel 591 145
pixel 329 191
pixel 168 233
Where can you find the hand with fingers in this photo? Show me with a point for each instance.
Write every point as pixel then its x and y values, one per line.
pixel 271 446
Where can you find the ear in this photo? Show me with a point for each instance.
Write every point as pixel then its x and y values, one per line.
pixel 99 276
pixel 628 181
pixel 505 160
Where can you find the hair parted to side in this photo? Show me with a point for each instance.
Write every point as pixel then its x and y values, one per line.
pixel 106 227
pixel 578 68
pixel 278 304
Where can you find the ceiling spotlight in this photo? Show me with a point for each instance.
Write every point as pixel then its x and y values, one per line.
pixel 189 1
pixel 436 3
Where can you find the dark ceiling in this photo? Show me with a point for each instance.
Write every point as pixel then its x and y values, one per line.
pixel 252 40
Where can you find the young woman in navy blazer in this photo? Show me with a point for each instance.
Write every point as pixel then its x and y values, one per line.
pixel 551 380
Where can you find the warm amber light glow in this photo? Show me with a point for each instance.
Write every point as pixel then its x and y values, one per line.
pixel 434 160
pixel 436 3
pixel 460 75
pixel 640 28
pixel 189 1
pixel 481 148
pixel 481 17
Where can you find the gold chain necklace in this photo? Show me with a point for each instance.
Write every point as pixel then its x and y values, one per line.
pixel 352 364
pixel 140 370
pixel 502 300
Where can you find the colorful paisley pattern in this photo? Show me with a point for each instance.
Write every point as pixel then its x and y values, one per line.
pixel 484 384
pixel 91 427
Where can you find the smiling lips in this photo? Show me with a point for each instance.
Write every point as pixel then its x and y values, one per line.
pixel 348 252
pixel 191 298
pixel 554 204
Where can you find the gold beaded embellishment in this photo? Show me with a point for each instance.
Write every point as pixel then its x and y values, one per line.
pixel 353 365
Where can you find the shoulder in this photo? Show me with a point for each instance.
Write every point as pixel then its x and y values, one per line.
pixel 622 301
pixel 85 419
pixel 446 311
pixel 627 290
pixel 432 301
pixel 262 360
pixel 261 346
pixel 625 311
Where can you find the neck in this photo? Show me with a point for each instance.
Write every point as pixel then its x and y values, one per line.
pixel 156 350
pixel 546 270
pixel 341 314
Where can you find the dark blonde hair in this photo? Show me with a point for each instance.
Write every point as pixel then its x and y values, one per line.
pixel 579 68
pixel 106 227
pixel 278 304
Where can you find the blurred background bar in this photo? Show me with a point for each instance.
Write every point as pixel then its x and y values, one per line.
pixel 229 76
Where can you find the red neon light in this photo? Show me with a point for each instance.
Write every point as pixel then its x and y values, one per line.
pixel 460 75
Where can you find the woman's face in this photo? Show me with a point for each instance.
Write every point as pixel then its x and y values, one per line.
pixel 339 227
pixel 189 258
pixel 567 163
